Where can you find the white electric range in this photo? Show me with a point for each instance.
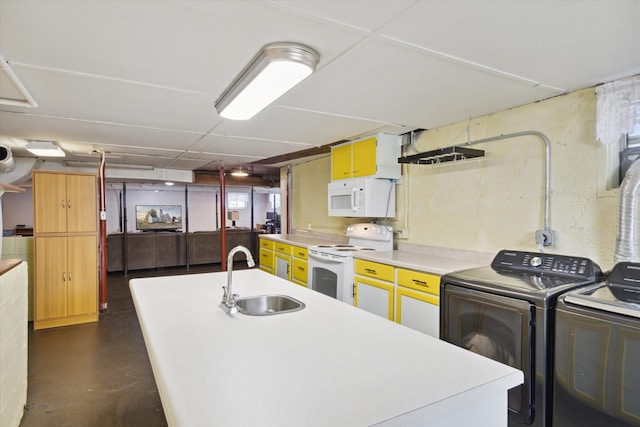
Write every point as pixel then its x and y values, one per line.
pixel 331 266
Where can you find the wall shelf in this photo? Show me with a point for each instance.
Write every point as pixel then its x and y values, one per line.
pixel 442 155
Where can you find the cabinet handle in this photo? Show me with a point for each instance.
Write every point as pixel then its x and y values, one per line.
pixel 419 282
pixel 64 276
pixel 69 203
pixel 63 205
pixel 69 276
pixel 370 270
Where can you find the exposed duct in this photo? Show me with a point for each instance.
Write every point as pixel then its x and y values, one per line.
pixel 6 159
pixel 628 240
pixel 22 170
pixel 28 99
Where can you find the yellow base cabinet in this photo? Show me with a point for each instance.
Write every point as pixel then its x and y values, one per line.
pixel 283 254
pixel 418 301
pixel 65 249
pixel 267 259
pixel 374 288
pixel 300 266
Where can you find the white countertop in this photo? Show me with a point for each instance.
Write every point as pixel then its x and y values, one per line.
pixel 327 365
pixel 303 240
pixel 418 261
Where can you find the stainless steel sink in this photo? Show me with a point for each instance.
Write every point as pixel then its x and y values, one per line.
pixel 266 305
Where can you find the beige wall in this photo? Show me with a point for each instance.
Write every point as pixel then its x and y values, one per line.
pixel 496 201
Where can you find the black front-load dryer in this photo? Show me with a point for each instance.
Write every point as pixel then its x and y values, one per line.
pixel 597 357
pixel 506 312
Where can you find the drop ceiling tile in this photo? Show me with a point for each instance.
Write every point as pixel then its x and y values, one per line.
pixel 118 102
pixel 551 42
pixel 192 45
pixel 288 125
pixel 383 81
pixel 29 126
pixel 249 148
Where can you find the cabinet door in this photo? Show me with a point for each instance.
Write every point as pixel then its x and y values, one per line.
pixel 50 277
pixel 374 297
pixel 364 157
pixel 419 311
pixel 283 264
pixel 300 273
pixel 82 277
pixel 81 203
pixel 50 202
pixel 267 260
pixel 341 162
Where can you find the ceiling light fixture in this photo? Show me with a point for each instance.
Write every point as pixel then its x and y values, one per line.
pixel 239 172
pixel 44 149
pixel 272 72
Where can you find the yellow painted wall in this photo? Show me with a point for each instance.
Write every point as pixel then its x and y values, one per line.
pixel 496 201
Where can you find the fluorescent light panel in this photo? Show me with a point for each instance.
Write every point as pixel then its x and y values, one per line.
pixel 44 149
pixel 272 72
pixel 239 172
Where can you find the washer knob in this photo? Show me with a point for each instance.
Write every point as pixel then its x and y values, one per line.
pixel 536 261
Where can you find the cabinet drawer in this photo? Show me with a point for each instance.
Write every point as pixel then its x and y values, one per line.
pixel 419 281
pixel 374 269
pixel 284 248
pixel 267 244
pixel 300 252
pixel 267 259
pixel 299 270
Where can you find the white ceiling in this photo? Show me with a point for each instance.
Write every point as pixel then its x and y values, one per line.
pixel 139 78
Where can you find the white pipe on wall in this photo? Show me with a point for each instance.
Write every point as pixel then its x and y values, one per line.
pixel 29 101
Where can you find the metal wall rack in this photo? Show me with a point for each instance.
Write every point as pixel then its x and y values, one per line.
pixel 442 155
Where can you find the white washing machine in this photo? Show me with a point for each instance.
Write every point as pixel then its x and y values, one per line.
pixel 597 353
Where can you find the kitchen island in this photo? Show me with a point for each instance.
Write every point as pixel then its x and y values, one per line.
pixel 328 364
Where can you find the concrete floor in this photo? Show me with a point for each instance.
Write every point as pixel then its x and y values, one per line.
pixel 97 374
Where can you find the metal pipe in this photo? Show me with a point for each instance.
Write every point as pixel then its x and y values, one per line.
pixel 628 239
pixel 547 160
pixel 30 102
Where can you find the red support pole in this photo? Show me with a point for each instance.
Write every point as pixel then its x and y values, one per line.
pixel 103 234
pixel 223 224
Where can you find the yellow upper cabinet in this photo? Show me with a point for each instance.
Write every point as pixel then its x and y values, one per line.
pixel 373 156
pixel 64 203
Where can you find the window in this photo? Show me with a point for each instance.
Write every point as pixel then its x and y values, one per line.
pixel 237 200
pixel 617 123
pixel 274 202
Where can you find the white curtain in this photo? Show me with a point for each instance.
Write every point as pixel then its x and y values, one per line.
pixel 618 110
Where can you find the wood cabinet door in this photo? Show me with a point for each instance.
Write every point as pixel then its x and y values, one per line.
pixel 81 203
pixel 341 162
pixel 82 279
pixel 50 202
pixel 50 277
pixel 364 158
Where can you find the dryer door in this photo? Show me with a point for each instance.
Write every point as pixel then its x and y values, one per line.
pixel 497 327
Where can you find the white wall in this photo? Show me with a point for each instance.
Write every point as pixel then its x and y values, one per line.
pixel 17 208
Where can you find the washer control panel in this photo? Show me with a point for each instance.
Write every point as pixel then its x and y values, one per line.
pixel 551 264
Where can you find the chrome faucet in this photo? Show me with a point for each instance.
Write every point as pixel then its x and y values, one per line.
pixel 228 303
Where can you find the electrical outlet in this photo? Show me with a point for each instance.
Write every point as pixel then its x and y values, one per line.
pixel 545 237
pixel 403 234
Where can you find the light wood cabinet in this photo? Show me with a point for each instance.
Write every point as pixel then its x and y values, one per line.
pixel 64 203
pixel 374 157
pixel 65 249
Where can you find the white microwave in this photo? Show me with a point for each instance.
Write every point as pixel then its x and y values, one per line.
pixel 362 197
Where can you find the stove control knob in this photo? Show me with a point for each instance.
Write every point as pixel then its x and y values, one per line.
pixel 536 261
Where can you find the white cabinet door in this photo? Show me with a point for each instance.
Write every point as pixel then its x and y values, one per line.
pixel 419 311
pixel 375 297
pixel 282 267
